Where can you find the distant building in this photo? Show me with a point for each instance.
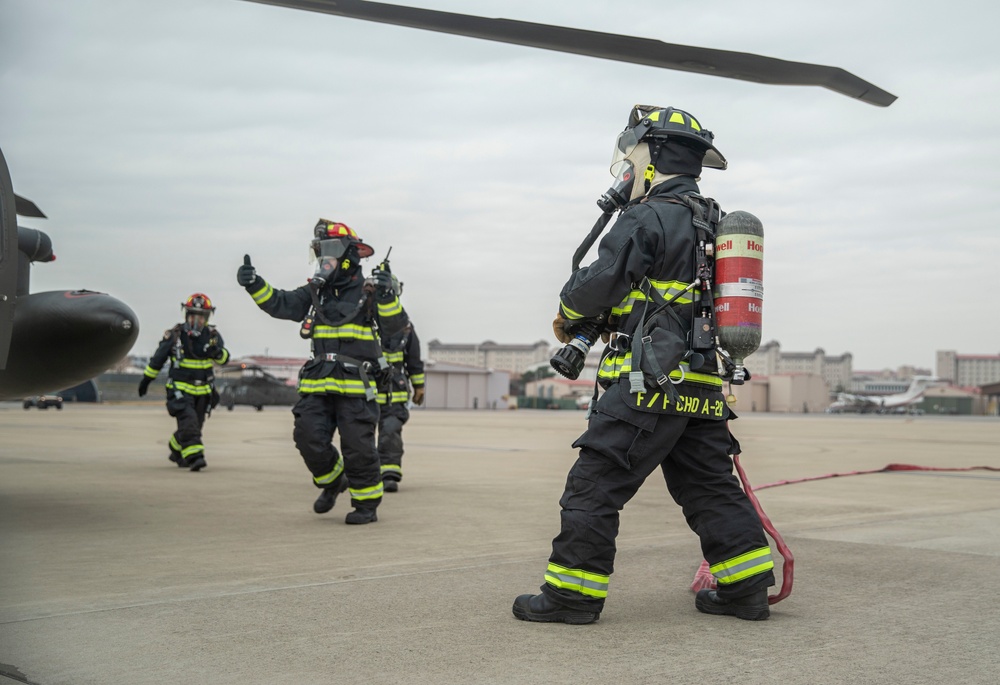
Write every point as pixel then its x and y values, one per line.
pixel 952 400
pixel 787 393
pixel 886 381
pixel 769 360
pixel 490 355
pixel 457 386
pixel 968 369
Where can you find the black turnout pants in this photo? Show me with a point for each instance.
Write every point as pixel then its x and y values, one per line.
pixel 390 439
pixel 189 411
pixel 616 457
pixel 317 417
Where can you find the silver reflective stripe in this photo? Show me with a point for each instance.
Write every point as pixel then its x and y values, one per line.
pixel 743 566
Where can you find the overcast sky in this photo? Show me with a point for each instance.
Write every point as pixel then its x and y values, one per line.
pixel 165 139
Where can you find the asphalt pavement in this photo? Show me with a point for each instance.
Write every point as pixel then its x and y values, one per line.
pixel 118 567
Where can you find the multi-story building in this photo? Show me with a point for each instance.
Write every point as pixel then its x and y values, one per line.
pixel 769 360
pixel 967 370
pixel 490 355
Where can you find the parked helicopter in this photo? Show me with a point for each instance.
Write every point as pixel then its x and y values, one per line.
pixel 50 340
pixel 251 385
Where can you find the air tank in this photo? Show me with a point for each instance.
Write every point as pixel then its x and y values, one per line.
pixel 739 286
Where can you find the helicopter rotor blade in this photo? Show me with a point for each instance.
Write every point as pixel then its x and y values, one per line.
pixel 736 65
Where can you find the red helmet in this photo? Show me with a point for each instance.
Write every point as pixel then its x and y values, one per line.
pixel 326 229
pixel 198 303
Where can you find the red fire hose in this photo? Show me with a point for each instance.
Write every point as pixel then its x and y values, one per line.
pixel 703 578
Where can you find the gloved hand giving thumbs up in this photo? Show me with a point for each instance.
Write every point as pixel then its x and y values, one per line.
pixel 246 275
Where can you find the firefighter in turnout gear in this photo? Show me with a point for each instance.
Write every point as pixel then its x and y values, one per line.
pixel 343 314
pixel 193 348
pixel 675 420
pixel 406 368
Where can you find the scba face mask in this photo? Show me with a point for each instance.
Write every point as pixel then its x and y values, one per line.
pixel 332 256
pixel 195 322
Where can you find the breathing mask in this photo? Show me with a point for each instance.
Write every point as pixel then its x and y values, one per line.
pixel 332 256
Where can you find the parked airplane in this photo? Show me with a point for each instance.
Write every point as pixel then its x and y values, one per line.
pixel 882 404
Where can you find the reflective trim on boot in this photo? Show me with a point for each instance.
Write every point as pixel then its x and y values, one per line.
pixel 750 608
pixel 540 608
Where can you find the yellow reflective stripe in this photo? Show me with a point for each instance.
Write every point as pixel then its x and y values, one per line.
pixel 569 313
pixel 224 358
pixel 374 492
pixel 391 309
pixel 350 331
pixel 193 449
pixel 391 468
pixel 264 294
pixel 332 476
pixel 620 365
pixel 195 364
pixel 394 357
pixel 174 445
pixel 417 379
pixel 189 388
pixel 676 118
pixel 666 288
pixel 395 398
pixel 577 580
pixel 340 386
pixel 742 567
pixel 150 372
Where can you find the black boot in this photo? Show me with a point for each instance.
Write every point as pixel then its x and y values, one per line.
pixel 328 497
pixel 750 608
pixel 177 459
pixel 540 608
pixel 359 516
pixel 198 463
pixel 390 485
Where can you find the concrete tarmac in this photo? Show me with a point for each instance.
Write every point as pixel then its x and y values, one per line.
pixel 118 567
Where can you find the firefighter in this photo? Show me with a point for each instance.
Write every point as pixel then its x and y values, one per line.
pixel 406 369
pixel 342 313
pixel 193 348
pixel 647 259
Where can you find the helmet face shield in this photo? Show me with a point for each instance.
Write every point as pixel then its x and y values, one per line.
pixel 330 248
pixel 624 146
pixel 195 320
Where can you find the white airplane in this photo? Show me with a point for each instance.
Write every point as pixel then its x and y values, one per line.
pixel 883 404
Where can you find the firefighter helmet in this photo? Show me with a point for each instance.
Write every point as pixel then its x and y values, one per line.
pixel 666 125
pixel 198 303
pixel 330 230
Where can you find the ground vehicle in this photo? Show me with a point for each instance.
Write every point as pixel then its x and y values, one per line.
pixel 43 402
pixel 251 385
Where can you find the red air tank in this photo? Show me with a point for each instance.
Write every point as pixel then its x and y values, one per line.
pixel 739 286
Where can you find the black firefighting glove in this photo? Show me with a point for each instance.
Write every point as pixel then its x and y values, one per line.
pixel 214 351
pixel 383 285
pixel 246 275
pixel 144 385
